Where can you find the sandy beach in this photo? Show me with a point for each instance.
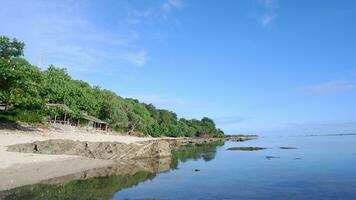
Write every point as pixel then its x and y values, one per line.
pixel 19 169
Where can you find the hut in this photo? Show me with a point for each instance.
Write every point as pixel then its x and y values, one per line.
pixel 5 107
pixel 93 122
pixel 84 120
pixel 64 116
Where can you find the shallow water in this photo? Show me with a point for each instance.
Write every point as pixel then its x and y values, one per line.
pixel 322 167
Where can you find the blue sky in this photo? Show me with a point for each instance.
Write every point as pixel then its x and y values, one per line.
pixel 255 66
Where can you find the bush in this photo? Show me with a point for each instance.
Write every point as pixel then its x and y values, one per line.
pixel 22 116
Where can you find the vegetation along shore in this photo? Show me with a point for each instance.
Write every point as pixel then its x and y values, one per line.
pixel 53 126
pixel 30 94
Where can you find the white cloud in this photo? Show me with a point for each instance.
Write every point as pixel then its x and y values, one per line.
pixel 329 87
pixel 68 34
pixel 63 33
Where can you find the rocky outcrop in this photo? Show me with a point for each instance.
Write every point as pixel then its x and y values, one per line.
pixel 246 148
pixel 288 147
pixel 177 142
pixel 115 150
pixel 98 150
pixel 240 138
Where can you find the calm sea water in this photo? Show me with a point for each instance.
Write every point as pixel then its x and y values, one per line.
pixel 322 167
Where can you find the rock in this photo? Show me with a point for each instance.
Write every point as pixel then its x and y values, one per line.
pixel 197 170
pixel 246 148
pixel 177 142
pixel 271 157
pixel 297 158
pixel 240 138
pixel 99 150
pixel 288 147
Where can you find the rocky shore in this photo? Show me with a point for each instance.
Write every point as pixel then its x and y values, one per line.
pixel 35 155
pixel 115 150
pixel 97 150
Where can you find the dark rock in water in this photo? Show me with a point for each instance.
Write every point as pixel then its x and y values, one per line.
pixel 197 170
pixel 288 147
pixel 240 138
pixel 178 142
pixel 297 158
pixel 246 148
pixel 271 157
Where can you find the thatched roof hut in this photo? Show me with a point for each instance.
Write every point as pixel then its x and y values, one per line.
pixel 84 120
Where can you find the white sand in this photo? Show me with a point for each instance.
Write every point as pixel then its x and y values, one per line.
pixel 35 172
pixel 18 169
pixel 10 137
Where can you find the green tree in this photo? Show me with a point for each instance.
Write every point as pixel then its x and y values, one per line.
pixel 27 89
pixel 10 48
pixel 112 110
pixel 20 82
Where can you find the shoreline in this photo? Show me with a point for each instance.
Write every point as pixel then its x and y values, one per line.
pixel 20 169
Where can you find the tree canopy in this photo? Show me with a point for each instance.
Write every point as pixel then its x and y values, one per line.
pixel 26 89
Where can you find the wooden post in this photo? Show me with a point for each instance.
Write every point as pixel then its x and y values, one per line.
pixel 55 118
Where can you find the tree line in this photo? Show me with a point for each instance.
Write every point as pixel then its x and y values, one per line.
pixel 25 90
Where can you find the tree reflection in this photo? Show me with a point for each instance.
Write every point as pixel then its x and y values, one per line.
pixel 103 183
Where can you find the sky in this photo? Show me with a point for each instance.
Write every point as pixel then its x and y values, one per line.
pixel 254 66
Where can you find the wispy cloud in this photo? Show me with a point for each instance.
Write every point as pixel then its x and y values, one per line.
pixel 267 20
pixel 269 8
pixel 65 32
pixel 168 5
pixel 329 87
pixel 138 58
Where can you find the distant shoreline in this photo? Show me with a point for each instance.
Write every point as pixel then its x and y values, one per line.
pixel 340 134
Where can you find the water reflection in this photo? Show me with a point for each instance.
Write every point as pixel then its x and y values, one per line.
pixel 195 152
pixel 103 183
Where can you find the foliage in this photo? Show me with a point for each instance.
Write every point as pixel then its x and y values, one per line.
pixel 20 82
pixel 27 89
pixel 10 48
pixel 16 115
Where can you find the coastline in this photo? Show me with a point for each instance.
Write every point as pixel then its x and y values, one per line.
pixel 22 169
